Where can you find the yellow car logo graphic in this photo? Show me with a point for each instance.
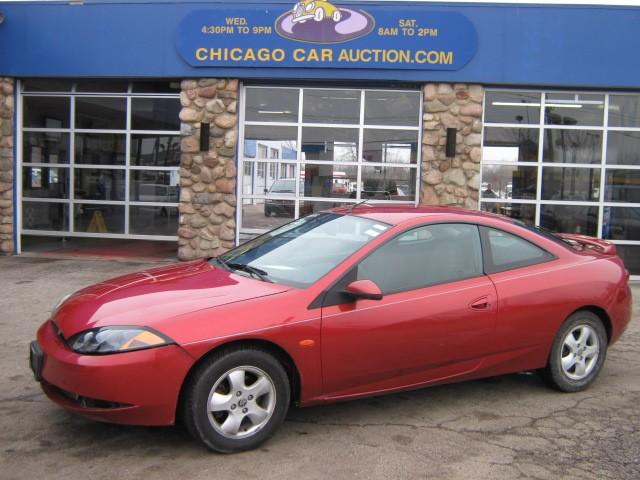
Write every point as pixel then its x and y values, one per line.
pixel 317 10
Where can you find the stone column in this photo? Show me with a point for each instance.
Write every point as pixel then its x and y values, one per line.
pixel 208 179
pixel 451 181
pixel 6 166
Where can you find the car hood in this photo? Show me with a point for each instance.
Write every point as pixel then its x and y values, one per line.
pixel 148 297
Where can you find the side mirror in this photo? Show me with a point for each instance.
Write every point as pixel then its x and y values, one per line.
pixel 363 289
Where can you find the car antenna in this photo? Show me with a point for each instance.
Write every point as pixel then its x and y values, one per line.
pixel 356 205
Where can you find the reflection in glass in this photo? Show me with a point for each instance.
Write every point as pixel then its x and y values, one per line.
pixel 520 211
pixel 148 220
pixel 388 183
pixel 622 186
pixel 155 150
pixel 99 184
pixel 114 86
pixel 624 111
pixel 330 144
pixel 329 180
pixel 45 147
pixel 510 144
pixel 574 109
pixel 573 184
pixel 390 146
pixel 45 182
pixel 308 207
pixel 101 113
pixel 270 142
pixel 271 104
pixel 621 223
pixel 630 255
pixel 331 106
pixel 623 148
pixel 580 219
pixel 100 148
pixel 572 146
pixel 45 216
pixel 46 112
pixel 90 218
pixel 144 86
pixel 46 85
pixel 512 107
pixel 154 186
pixel 266 214
pixel 155 114
pixel 270 178
pixel 507 181
pixel 392 108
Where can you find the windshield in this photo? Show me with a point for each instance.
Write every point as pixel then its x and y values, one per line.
pixel 284 186
pixel 301 252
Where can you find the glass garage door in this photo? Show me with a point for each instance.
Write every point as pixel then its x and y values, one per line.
pixel 308 149
pixel 99 159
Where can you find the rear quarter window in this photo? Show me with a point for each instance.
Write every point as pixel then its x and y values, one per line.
pixel 506 251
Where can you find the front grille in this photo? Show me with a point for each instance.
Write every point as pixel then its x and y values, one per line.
pixel 85 402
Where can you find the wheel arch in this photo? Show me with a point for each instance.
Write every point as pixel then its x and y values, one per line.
pixel 276 350
pixel 600 313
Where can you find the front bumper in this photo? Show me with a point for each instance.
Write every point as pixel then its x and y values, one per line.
pixel 137 388
pixel 302 18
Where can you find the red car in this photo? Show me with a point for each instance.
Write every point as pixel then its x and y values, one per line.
pixel 337 305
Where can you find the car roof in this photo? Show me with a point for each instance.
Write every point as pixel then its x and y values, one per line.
pixel 397 214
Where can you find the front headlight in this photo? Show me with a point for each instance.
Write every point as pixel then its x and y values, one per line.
pixel 116 340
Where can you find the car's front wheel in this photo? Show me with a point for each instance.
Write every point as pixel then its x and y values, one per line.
pixel 236 399
pixel 578 353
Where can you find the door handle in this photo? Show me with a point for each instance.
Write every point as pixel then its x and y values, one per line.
pixel 481 304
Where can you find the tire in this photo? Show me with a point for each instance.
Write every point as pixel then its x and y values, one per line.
pixel 241 421
pixel 337 16
pixel 581 343
pixel 319 15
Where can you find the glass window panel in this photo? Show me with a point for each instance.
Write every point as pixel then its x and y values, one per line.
pixel 308 207
pixel 46 112
pixel 45 182
pixel 572 146
pixel 630 255
pixel 46 85
pixel 100 148
pixel 624 110
pixel 155 150
pixel 330 144
pixel 622 186
pixel 508 251
pixel 148 220
pixel 573 184
pixel 271 104
pixel 45 216
pixel 390 146
pixel 520 211
pixel 271 178
pixel 91 218
pixel 507 181
pixel 392 108
pixel 512 107
pixel 621 223
pixel 271 142
pixel 155 114
pixel 101 113
pixel 581 219
pixel 623 148
pixel 110 86
pixel 45 147
pixel 574 109
pixel 331 106
pixel 388 183
pixel 510 144
pixel 99 184
pixel 154 186
pixel 329 180
pixel 266 214
pixel 156 87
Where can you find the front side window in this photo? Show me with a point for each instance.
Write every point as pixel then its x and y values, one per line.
pixel 506 251
pixel 424 256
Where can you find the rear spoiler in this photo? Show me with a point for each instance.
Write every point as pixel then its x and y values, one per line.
pixel 582 242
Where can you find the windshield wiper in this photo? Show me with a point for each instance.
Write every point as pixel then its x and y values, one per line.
pixel 261 274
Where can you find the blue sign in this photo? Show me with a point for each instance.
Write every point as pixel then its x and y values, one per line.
pixel 319 34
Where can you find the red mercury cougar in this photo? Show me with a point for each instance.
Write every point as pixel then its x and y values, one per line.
pixel 336 305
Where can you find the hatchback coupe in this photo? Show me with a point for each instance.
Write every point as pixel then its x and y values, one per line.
pixel 346 303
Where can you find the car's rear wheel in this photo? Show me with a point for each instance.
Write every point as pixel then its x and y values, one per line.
pixel 319 15
pixel 236 399
pixel 578 353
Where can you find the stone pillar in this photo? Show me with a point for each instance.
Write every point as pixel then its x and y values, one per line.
pixel 451 181
pixel 6 166
pixel 208 179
